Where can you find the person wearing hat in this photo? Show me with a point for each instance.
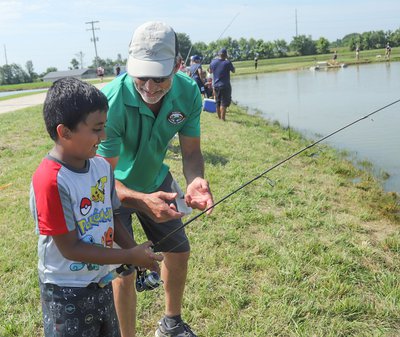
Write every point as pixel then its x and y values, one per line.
pixel 196 72
pixel 147 106
pixel 221 68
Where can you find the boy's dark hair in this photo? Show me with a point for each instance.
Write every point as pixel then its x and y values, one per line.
pixel 69 101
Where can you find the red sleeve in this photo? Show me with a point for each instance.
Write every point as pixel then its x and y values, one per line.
pixel 50 214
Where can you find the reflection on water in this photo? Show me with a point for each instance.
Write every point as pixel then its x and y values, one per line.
pixel 319 102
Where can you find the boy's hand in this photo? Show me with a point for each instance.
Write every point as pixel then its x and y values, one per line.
pixel 143 256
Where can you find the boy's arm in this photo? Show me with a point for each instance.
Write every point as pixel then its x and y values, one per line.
pixel 76 250
pixel 121 235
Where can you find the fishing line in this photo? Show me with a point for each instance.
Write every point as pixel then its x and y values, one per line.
pixel 265 172
pixel 225 29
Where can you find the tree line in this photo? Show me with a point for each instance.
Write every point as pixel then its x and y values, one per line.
pixel 239 50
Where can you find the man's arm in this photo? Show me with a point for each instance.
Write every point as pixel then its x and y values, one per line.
pixel 198 194
pixel 156 205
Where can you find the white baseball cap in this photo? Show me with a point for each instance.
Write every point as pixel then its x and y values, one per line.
pixel 152 50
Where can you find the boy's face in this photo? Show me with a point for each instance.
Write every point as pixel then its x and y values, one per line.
pixel 82 142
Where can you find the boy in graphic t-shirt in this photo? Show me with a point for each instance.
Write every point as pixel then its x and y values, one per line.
pixel 73 202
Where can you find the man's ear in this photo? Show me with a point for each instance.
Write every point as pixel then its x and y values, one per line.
pixel 177 66
pixel 63 132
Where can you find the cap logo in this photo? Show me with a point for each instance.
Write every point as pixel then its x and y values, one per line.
pixel 176 117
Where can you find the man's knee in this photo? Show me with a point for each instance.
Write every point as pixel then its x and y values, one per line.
pixel 124 282
pixel 178 260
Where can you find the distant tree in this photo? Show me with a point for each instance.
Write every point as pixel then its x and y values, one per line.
pixel 373 40
pixel 354 41
pixel 5 74
pixel 244 49
pixel 74 64
pixel 347 39
pixel 303 45
pixel 395 38
pixel 184 44
pixel 13 74
pixel 31 73
pixel 280 48
pixel 120 60
pixel 201 49
pixel 50 70
pixel 264 49
pixel 378 39
pixel 322 46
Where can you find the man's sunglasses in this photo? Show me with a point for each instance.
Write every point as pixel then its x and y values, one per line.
pixel 154 79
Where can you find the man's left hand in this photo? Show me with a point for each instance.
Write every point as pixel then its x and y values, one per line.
pixel 198 195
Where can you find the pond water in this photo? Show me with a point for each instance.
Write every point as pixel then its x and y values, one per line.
pixel 317 103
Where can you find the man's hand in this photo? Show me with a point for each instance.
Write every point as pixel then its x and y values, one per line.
pixel 198 195
pixel 159 208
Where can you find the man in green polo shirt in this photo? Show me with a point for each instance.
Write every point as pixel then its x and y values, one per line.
pixel 147 107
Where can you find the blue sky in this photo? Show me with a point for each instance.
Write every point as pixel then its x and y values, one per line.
pixel 53 32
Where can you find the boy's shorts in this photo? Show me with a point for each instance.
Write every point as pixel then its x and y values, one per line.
pixel 78 311
pixel 176 243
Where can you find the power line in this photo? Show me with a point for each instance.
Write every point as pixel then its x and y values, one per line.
pixel 94 38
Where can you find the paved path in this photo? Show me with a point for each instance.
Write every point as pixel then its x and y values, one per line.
pixel 14 104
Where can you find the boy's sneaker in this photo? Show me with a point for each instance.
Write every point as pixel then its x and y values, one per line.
pixel 182 329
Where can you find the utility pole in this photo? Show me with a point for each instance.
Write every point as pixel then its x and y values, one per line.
pixel 80 55
pixel 295 14
pixel 94 39
pixel 5 54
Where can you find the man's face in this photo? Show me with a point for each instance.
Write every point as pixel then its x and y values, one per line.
pixel 151 91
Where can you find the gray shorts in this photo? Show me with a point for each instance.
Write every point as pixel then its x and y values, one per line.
pixel 78 311
pixel 176 243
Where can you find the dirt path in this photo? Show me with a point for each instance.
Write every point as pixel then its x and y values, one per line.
pixel 14 104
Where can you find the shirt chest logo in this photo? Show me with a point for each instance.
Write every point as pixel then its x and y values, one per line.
pixel 176 117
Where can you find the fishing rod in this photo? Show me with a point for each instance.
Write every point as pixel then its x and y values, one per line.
pixel 269 170
pixel 229 24
pixel 150 281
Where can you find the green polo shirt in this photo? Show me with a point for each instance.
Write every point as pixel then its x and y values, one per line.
pixel 141 140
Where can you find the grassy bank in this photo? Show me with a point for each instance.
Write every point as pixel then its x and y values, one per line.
pixel 317 254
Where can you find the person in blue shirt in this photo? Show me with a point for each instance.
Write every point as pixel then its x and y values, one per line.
pixel 196 72
pixel 221 68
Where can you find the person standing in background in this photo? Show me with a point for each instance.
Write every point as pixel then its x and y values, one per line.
pixel 196 72
pixel 221 68
pixel 100 72
pixel 388 51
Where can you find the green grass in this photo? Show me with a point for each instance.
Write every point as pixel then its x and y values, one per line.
pixel 318 254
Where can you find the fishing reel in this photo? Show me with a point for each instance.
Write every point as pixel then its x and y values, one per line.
pixel 146 280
